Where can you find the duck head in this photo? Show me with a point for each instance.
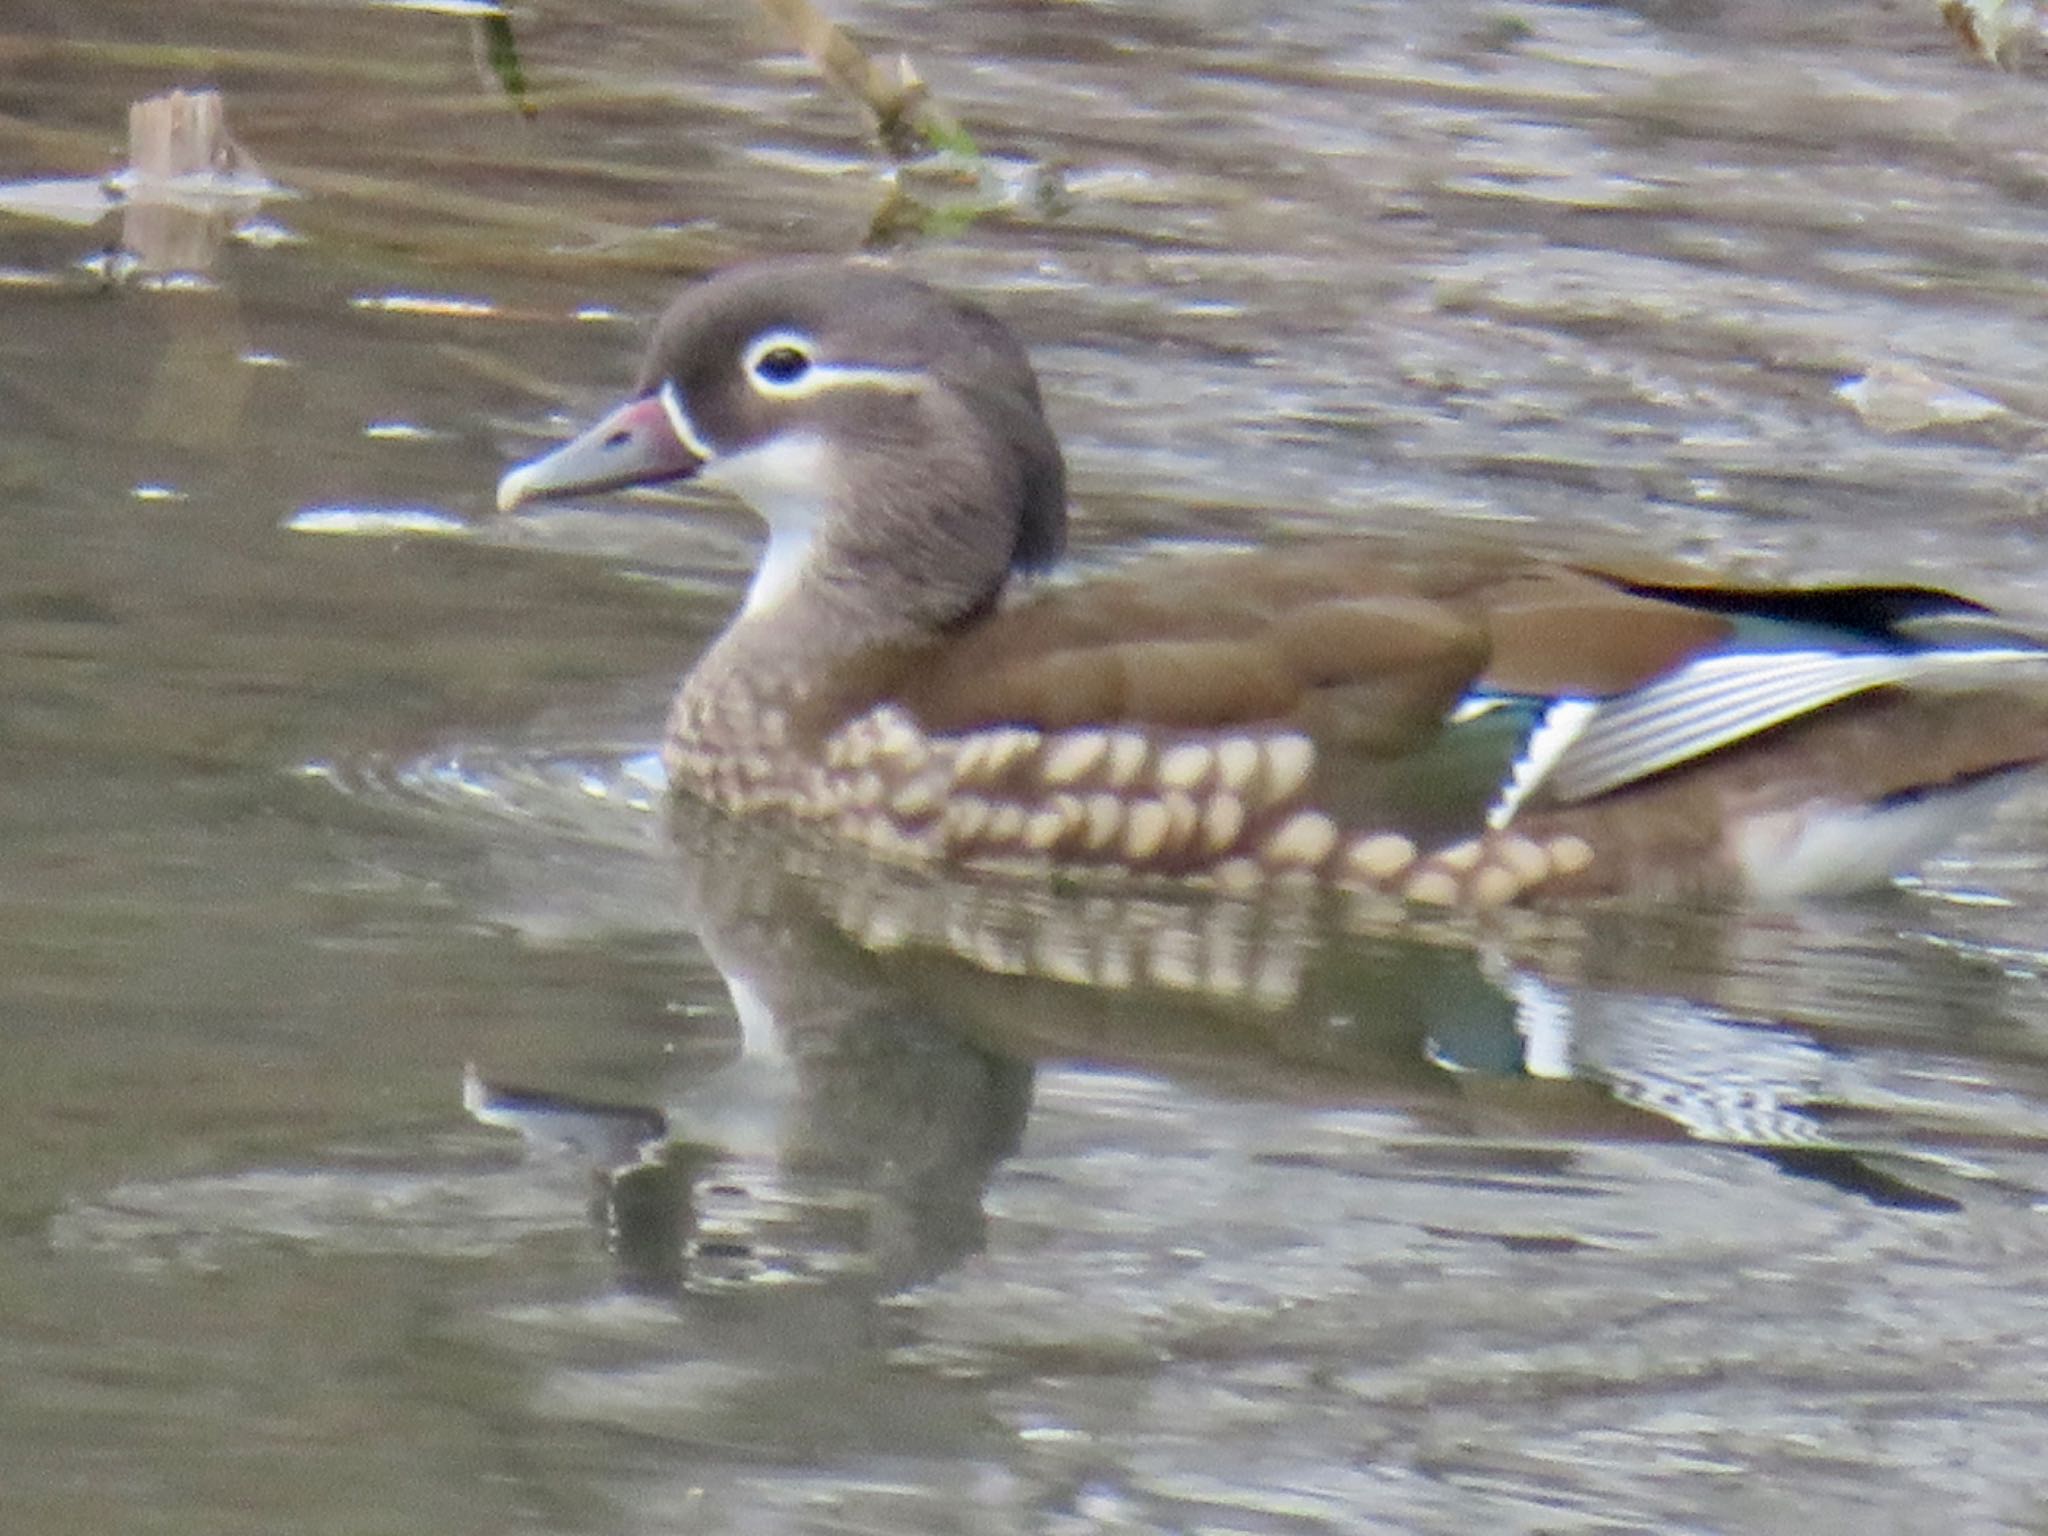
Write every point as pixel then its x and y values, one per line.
pixel 890 436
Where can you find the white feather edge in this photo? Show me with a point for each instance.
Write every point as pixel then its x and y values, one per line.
pixel 1586 747
pixel 1562 725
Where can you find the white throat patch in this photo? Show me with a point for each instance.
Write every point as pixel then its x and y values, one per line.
pixel 785 481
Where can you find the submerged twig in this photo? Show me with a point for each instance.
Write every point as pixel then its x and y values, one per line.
pixel 1999 30
pixel 907 120
pixel 187 179
pixel 498 50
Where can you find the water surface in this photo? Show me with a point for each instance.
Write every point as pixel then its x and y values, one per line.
pixel 784 1196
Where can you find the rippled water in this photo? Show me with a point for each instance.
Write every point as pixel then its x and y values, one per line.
pixel 406 1128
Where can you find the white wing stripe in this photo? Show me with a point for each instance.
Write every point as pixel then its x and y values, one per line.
pixel 1720 700
pixel 1705 707
pixel 1551 740
pixel 1669 713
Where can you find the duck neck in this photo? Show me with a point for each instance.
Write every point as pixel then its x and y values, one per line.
pixel 871 547
pixel 830 617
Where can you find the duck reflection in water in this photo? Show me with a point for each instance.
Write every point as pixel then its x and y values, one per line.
pixel 892 1022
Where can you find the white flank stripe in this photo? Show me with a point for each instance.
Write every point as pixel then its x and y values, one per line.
pixel 1561 725
pixel 1720 700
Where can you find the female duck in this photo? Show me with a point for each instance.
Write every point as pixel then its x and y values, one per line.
pixel 1462 729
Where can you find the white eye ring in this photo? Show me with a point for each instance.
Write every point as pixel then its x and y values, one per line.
pixel 784 365
pixel 781 364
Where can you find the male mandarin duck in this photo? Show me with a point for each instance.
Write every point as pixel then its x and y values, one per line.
pixel 1458 730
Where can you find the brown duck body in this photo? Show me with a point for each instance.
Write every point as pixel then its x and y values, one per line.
pixel 1460 729
pixel 1247 717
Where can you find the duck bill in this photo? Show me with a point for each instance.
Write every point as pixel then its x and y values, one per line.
pixel 635 445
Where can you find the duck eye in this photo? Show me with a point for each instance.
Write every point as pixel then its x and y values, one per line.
pixel 782 364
